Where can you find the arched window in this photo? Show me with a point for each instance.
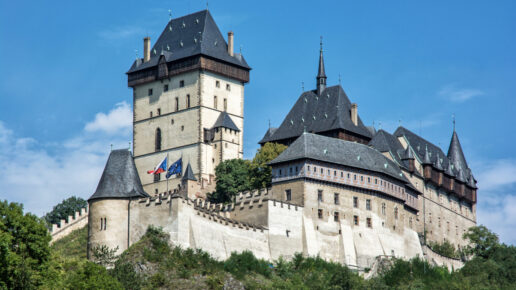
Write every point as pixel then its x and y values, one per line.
pixel 158 139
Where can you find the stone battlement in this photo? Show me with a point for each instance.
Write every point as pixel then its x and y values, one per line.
pixel 76 221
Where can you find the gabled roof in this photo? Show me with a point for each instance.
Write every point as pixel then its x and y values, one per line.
pixel 455 154
pixel 120 178
pixel 337 151
pixel 385 142
pixel 225 121
pixel 268 135
pixel 312 113
pixel 189 175
pixel 190 35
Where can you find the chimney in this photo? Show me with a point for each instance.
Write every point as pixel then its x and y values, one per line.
pixel 146 49
pixel 354 114
pixel 230 43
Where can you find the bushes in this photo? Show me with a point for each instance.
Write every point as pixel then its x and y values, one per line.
pixel 244 263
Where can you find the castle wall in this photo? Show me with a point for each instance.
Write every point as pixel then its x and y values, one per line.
pixel 75 222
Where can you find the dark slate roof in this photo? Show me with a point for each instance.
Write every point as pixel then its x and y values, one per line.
pixel 372 130
pixel 419 145
pixel 190 35
pixel 408 154
pixel 268 135
pixel 385 142
pixel 189 175
pixel 455 154
pixel 225 121
pixel 337 151
pixel 312 113
pixel 120 178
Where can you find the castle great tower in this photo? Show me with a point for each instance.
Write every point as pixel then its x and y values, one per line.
pixel 188 101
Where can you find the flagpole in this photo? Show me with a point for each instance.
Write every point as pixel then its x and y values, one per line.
pixel 167 173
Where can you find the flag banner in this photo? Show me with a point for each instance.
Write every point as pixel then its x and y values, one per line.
pixel 161 167
pixel 175 168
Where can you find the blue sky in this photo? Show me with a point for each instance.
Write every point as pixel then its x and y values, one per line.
pixel 64 96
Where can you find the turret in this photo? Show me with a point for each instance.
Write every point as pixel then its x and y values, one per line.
pixel 189 185
pixel 408 156
pixel 109 206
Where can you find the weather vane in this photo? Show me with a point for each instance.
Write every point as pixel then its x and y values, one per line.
pixel 321 43
pixel 303 86
pixel 453 120
pixel 170 14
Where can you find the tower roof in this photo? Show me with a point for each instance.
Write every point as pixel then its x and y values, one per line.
pixel 225 121
pixel 189 175
pixel 455 154
pixel 319 113
pixel 321 73
pixel 190 35
pixel 120 178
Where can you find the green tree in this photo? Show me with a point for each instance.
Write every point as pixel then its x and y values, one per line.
pixel 232 177
pixel 91 276
pixel 261 173
pixel 482 242
pixel 64 209
pixel 24 249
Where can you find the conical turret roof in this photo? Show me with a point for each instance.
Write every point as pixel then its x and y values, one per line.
pixel 189 175
pixel 426 158
pixel 120 178
pixel 456 155
pixel 408 154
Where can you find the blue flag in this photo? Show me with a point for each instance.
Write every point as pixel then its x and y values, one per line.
pixel 175 168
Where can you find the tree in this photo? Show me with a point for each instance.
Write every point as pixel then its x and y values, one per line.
pixel 24 249
pixel 232 177
pixel 105 256
pixel 261 172
pixel 64 209
pixel 482 242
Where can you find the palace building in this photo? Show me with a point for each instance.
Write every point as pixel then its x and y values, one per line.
pixel 341 190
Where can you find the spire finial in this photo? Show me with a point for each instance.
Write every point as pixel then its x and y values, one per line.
pixel 321 75
pixel 340 80
pixel 321 43
pixel 169 14
pixel 111 147
pixel 303 86
pixel 453 120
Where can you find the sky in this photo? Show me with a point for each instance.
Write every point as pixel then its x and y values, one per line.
pixel 64 99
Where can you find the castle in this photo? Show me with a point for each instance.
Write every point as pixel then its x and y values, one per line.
pixel 341 190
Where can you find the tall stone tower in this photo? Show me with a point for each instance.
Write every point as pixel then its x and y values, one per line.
pixel 188 101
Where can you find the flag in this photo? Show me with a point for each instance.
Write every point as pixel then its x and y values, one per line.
pixel 161 167
pixel 175 168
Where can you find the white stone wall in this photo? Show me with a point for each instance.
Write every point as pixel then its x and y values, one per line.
pixel 75 222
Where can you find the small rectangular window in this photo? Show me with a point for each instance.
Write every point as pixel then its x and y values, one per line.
pixel 215 102
pixel 177 104
pixel 320 195
pixel 181 83
pixel 188 101
pixel 369 223
pixel 228 87
pixel 165 88
pixel 150 92
pixel 336 198
pixel 151 114
pixel 159 112
pixel 157 177
pixel 225 104
pixel 336 216
pixel 355 220
pixel 320 213
pixel 217 84
pixel 355 202
pixel 368 204
pixel 288 194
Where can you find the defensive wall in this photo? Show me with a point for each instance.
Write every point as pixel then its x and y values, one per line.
pixel 76 221
pixel 440 260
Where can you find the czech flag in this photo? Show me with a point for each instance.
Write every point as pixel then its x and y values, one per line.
pixel 161 167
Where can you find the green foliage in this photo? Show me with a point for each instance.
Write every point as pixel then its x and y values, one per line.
pixel 74 245
pixel 261 173
pixel 103 255
pixel 24 249
pixel 482 241
pixel 245 262
pixel 91 276
pixel 445 249
pixel 64 209
pixel 232 176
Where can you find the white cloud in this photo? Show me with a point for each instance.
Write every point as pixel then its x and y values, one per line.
pixel 32 174
pixel 496 207
pixel 457 95
pixel 119 118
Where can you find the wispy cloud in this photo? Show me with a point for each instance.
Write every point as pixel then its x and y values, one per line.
pixel 39 178
pixel 459 95
pixel 118 33
pixel 119 118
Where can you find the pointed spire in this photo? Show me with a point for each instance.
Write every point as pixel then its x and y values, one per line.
pixel 426 159
pixel 455 153
pixel 471 181
pixel 449 170
pixel 460 176
pixel 321 75
pixel 408 154
pixel 189 175
pixel 438 164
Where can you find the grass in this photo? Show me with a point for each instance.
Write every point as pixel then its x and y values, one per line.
pixel 73 245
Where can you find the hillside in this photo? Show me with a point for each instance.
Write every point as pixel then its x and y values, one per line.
pixel 73 245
